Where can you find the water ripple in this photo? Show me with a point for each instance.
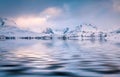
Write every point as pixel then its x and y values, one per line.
pixel 60 59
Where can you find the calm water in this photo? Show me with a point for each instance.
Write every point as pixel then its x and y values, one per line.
pixel 59 58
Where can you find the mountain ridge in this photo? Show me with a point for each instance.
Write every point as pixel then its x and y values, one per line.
pixel 8 27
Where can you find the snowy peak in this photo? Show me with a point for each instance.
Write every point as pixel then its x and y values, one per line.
pixel 6 22
pixel 116 31
pixel 88 27
pixel 55 31
pixel 84 28
pixel 48 31
pixel 75 30
pixel 8 27
pixel 65 30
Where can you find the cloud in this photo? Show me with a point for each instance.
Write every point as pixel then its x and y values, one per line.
pixel 52 12
pixel 39 14
pixel 13 8
pixel 39 22
pixel 116 5
pixel 30 21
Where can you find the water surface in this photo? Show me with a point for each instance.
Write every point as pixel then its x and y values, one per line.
pixel 59 58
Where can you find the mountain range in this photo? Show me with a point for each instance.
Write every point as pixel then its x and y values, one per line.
pixel 8 28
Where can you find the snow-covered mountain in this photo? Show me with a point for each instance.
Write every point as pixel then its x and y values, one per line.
pixel 67 30
pixel 114 35
pixel 8 28
pixel 56 31
pixel 6 22
pixel 86 28
pixel 117 31
pixel 48 31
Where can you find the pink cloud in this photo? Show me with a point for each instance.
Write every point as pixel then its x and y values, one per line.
pixel 116 5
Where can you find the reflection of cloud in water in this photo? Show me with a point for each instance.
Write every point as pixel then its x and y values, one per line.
pixel 35 51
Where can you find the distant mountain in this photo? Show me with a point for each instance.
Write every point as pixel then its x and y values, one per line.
pixel 114 35
pixel 65 31
pixel 77 29
pixel 7 27
pixel 6 22
pixel 84 28
pixel 48 31
pixel 116 31
pixel 88 28
pixel 55 31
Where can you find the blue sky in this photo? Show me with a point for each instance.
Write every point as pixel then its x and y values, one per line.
pixel 39 14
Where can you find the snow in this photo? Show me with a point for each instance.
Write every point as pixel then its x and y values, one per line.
pixel 8 28
pixel 114 36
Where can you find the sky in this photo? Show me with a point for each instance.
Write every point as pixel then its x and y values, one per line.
pixel 36 15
